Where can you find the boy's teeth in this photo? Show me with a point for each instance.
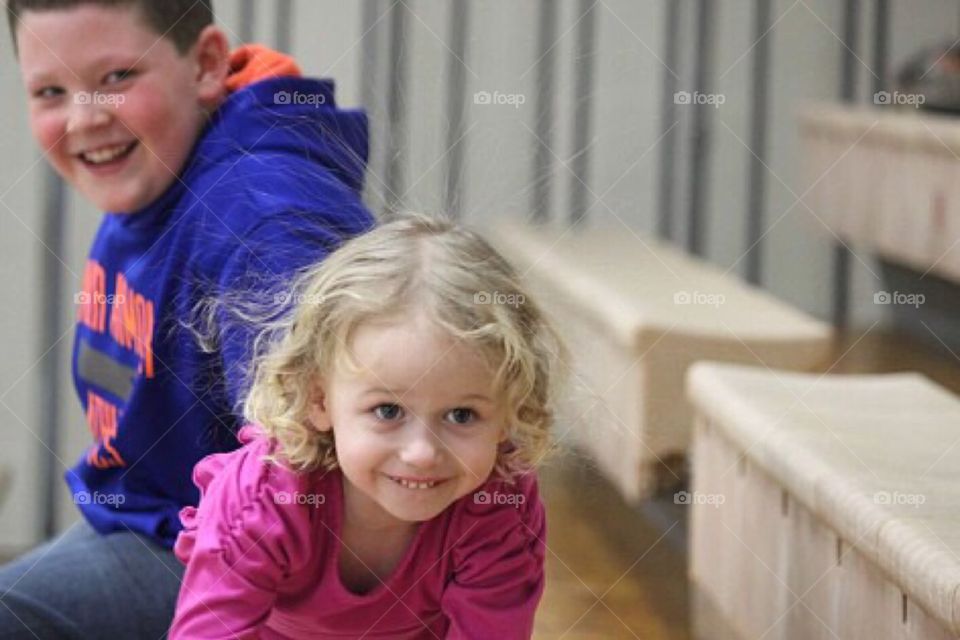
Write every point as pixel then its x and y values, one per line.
pixel 105 155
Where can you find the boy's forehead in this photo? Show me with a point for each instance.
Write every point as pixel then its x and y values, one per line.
pixel 89 32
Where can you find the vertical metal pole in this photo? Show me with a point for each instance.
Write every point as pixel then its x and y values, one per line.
pixel 696 235
pixel 759 116
pixel 51 391
pixel 583 111
pixel 246 20
pixel 283 37
pixel 396 109
pixel 456 109
pixel 540 204
pixel 666 202
pixel 847 91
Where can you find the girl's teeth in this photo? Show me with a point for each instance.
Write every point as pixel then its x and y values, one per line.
pixel 415 485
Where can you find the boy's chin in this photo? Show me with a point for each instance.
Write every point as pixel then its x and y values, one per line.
pixel 115 203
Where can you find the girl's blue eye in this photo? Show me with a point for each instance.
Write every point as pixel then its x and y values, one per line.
pixel 461 415
pixel 387 411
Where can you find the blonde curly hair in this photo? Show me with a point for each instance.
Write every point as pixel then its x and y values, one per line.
pixel 411 263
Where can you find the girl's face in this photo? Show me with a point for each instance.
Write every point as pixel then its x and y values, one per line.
pixel 418 426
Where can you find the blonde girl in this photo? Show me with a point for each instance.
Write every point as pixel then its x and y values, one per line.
pixel 386 485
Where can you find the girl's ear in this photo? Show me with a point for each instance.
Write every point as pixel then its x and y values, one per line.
pixel 318 414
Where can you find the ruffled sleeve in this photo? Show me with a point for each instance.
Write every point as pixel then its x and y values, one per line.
pixel 498 561
pixel 249 533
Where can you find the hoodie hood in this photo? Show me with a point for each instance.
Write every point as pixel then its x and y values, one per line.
pixel 288 115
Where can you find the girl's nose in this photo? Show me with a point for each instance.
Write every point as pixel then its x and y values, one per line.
pixel 85 113
pixel 421 449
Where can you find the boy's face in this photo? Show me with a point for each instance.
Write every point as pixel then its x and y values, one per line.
pixel 114 105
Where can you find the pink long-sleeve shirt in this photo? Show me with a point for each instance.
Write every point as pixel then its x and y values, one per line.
pixel 262 554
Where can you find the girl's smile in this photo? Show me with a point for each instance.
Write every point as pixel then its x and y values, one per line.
pixel 416 427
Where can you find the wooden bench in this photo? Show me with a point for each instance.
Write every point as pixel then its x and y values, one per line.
pixel 636 314
pixel 825 507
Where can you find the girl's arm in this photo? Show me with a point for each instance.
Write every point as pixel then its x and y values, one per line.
pixel 218 601
pixel 498 566
pixel 239 545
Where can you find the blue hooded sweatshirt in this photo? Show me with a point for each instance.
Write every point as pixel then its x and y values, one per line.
pixel 272 185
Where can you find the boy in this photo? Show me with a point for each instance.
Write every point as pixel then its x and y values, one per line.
pixel 207 193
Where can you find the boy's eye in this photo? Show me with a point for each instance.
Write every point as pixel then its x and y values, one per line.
pixel 45 93
pixel 387 411
pixel 118 75
pixel 461 415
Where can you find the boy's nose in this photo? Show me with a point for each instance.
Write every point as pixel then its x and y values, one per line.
pixel 84 115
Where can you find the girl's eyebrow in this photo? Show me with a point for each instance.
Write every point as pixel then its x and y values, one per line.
pixel 399 393
pixel 478 396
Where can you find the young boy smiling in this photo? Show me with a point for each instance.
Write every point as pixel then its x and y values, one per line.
pixel 211 185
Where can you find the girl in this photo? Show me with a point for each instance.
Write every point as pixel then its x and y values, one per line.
pixel 385 487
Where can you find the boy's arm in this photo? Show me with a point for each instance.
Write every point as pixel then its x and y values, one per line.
pixel 262 268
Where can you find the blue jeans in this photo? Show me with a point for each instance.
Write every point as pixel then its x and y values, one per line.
pixel 86 586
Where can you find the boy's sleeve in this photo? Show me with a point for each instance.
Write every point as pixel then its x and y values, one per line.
pixel 239 546
pixel 498 568
pixel 262 267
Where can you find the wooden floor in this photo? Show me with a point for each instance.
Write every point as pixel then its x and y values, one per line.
pixel 615 571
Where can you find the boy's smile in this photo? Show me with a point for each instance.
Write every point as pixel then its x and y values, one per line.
pixel 114 105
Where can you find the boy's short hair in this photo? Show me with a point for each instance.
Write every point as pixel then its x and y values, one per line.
pixel 180 21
